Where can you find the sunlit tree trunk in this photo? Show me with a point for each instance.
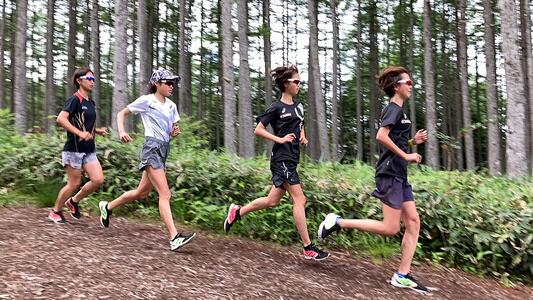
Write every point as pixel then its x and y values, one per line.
pixel 228 86
pixel 120 94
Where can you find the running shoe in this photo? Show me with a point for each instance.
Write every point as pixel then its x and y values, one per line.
pixel 57 217
pixel 233 216
pixel 328 226
pixel 74 208
pixel 180 240
pixel 408 281
pixel 313 252
pixel 104 213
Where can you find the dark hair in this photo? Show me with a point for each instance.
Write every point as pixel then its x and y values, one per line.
pixel 280 75
pixel 78 73
pixel 152 88
pixel 389 77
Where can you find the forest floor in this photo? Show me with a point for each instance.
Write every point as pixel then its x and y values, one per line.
pixel 130 259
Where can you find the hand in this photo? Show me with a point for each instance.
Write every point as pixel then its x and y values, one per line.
pixel 125 137
pixel 175 130
pixel 287 139
pixel 85 136
pixel 101 131
pixel 413 157
pixel 420 137
pixel 303 140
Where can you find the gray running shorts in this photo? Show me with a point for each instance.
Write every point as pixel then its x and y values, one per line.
pixel 154 153
pixel 77 159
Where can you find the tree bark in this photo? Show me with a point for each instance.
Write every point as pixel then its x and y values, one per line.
pixel 19 78
pixel 72 41
pixel 432 144
pixel 317 91
pixel 527 56
pixel 94 59
pixel 358 83
pixel 246 135
pixel 145 61
pixel 463 78
pixel 119 61
pixel 228 86
pixel 335 130
pixel 185 98
pixel 516 146
pixel 49 103
pixel 494 156
pixel 374 103
pixel 2 50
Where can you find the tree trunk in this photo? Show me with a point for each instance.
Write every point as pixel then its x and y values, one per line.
pixel 19 78
pixel 228 86
pixel 514 78
pixel 49 103
pixel 463 78
pixel 2 47
pixel 317 91
pixel 335 130
pixel 411 59
pixel 494 156
pixel 374 103
pixel 200 112
pixel 185 99
pixel 86 33
pixel 432 144
pixel 358 83
pixel 145 61
pixel 95 61
pixel 267 54
pixel 527 56
pixel 120 94
pixel 71 55
pixel 246 135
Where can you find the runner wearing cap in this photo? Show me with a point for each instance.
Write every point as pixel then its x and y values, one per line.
pixel 160 120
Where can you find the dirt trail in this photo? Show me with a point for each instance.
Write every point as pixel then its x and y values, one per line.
pixel 41 260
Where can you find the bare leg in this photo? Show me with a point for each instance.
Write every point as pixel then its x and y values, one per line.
pixel 298 211
pixel 389 226
pixel 412 229
pixel 159 181
pixel 272 200
pixel 96 178
pixel 73 182
pixel 142 191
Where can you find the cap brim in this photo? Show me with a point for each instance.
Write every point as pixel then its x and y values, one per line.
pixel 175 77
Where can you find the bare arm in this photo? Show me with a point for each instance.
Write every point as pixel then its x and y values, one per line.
pixel 383 138
pixel 261 131
pixel 121 116
pixel 62 120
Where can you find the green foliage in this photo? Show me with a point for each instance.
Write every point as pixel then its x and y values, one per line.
pixel 481 224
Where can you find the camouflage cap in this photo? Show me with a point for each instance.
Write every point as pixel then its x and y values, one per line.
pixel 163 74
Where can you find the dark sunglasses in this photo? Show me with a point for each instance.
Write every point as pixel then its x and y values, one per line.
pixel 168 82
pixel 406 81
pixel 88 78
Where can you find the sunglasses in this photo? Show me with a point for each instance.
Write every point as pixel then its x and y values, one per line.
pixel 168 82
pixel 296 81
pixel 88 78
pixel 406 81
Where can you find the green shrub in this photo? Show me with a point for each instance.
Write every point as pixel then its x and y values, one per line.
pixel 481 224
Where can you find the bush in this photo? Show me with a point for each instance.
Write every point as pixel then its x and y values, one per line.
pixel 481 224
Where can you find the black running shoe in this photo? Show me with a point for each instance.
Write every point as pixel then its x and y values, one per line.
pixel 313 252
pixel 73 208
pixel 104 213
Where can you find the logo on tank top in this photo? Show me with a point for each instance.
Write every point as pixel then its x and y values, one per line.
pixel 405 120
pixel 283 114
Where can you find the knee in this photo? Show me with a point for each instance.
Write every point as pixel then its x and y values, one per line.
pixel 98 181
pixel 73 184
pixel 164 196
pixel 412 223
pixel 272 202
pixel 392 230
pixel 300 201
